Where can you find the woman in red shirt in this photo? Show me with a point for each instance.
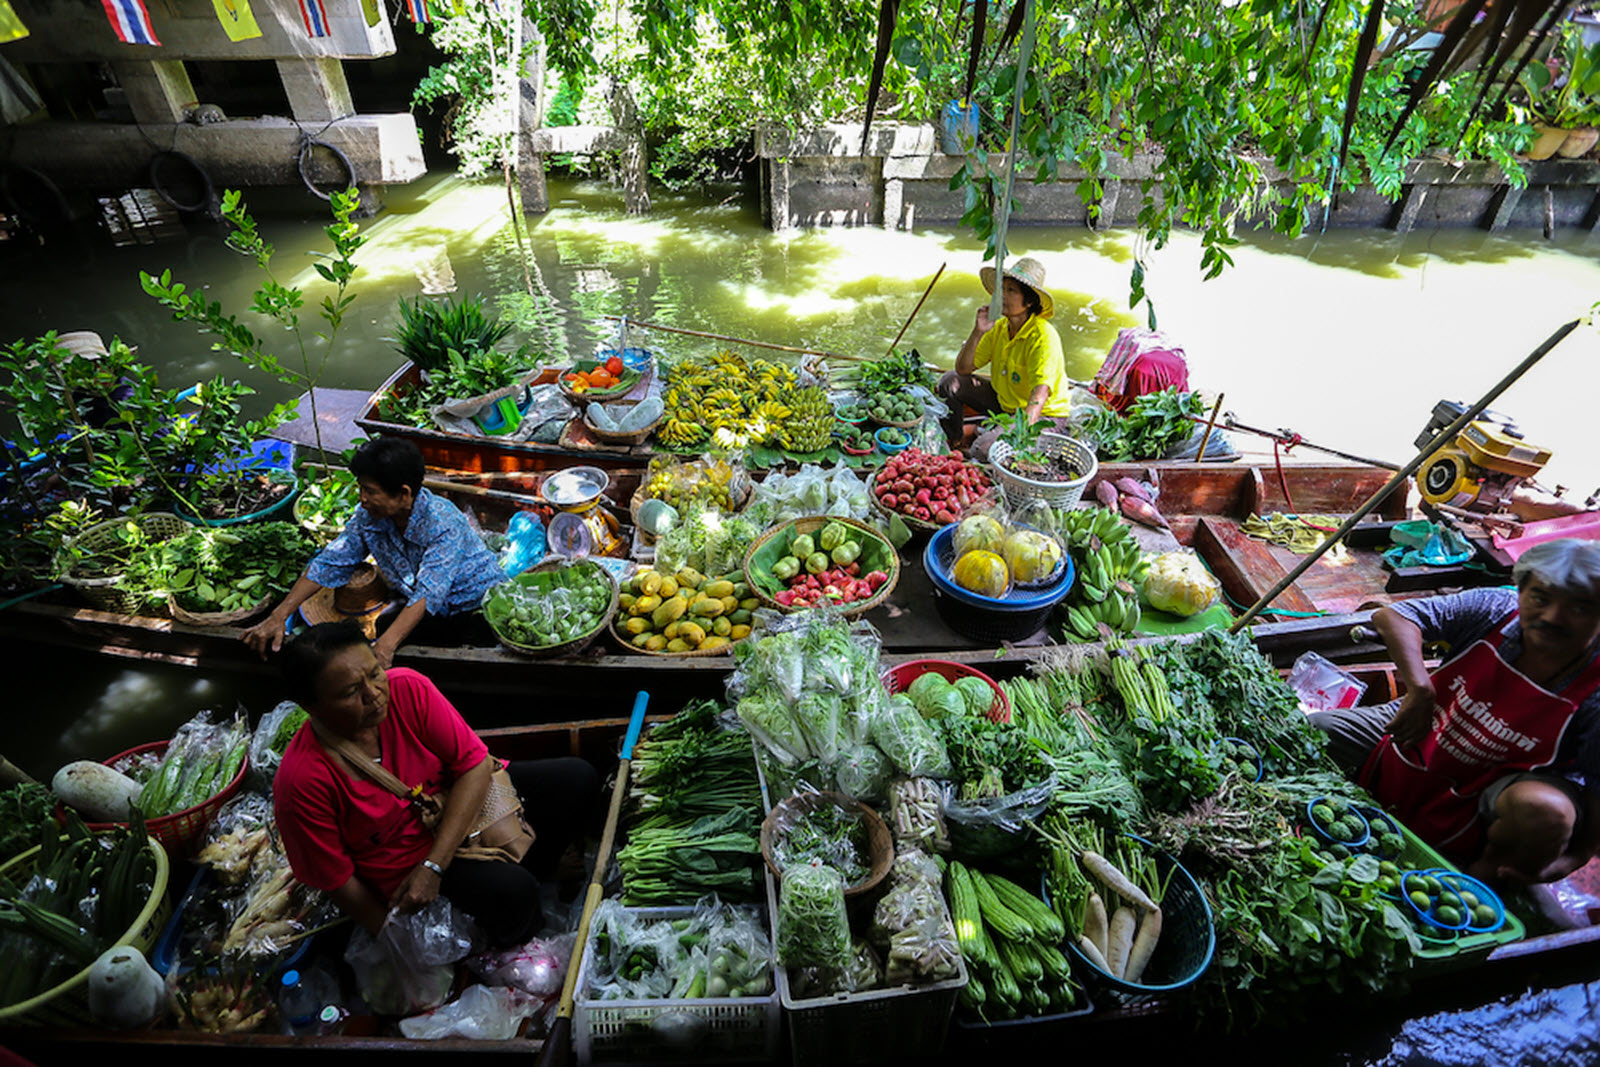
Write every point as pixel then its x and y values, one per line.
pixel 366 846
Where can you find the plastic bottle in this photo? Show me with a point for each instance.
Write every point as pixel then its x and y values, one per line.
pixel 297 1005
pixel 331 1019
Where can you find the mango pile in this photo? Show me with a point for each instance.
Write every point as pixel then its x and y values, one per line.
pixel 684 612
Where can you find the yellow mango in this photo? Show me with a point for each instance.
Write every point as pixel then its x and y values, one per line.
pixel 643 640
pixel 730 604
pixel 671 629
pixel 625 600
pixel 692 633
pixel 669 588
pixel 636 625
pixel 749 604
pixel 738 631
pixel 656 643
pixel 670 611
pixel 721 626
pixel 645 605
pixel 689 578
pixel 678 645
pixel 719 589
pixel 714 642
pixel 649 583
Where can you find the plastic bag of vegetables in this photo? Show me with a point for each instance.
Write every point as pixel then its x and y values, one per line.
pixel 909 741
pixel 864 773
pixel 992 826
pixel 813 929
pixel 1179 584
pixel 935 697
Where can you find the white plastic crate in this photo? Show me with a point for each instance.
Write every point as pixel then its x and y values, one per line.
pixel 619 1032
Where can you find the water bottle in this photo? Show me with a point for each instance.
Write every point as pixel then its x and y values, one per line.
pixel 297 1005
pixel 331 1019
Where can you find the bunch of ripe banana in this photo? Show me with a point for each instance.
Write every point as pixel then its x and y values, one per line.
pixel 809 427
pixel 733 401
pixel 1110 568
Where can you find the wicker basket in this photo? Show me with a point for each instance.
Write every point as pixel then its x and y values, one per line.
pixel 1020 490
pixel 562 648
pixel 876 554
pixel 637 437
pixel 107 593
pixel 880 844
pixel 920 527
pixel 178 831
pixel 67 1005
pixel 216 618
pixel 630 378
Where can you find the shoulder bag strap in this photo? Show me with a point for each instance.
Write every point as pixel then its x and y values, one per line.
pixel 362 763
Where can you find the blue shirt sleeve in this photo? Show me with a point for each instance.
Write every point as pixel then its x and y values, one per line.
pixel 334 565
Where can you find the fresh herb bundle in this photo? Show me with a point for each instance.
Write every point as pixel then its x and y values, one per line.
pixel 1151 427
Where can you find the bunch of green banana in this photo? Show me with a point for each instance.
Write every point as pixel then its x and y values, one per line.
pixel 1118 609
pixel 809 427
pixel 1080 527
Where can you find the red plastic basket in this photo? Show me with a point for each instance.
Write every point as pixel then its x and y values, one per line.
pixel 901 677
pixel 178 831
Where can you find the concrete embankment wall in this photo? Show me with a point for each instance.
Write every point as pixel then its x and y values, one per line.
pixel 820 178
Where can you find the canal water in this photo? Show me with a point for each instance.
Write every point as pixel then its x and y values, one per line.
pixel 1346 338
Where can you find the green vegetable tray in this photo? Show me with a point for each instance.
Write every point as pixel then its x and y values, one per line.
pixel 67 1005
pixel 720 1029
pixel 1448 953
pixel 877 554
pixel 543 579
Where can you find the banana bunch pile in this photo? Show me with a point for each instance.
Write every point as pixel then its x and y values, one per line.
pixel 730 400
pixel 809 427
pixel 1110 568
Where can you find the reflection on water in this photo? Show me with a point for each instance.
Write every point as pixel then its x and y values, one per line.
pixel 1548 1028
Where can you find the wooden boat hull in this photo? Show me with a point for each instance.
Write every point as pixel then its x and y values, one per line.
pixel 598 740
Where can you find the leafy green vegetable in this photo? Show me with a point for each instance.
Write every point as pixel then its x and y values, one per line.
pixel 25 809
pixel 813 929
pixel 1152 425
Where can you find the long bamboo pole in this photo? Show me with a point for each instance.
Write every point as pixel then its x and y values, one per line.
pixel 722 337
pixel 937 275
pixel 1440 439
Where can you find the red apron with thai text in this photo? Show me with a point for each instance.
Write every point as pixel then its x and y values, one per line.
pixel 1491 721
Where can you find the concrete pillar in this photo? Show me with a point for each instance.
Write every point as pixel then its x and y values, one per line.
pixel 778 196
pixel 1410 203
pixel 634 160
pixel 159 92
pixel 1110 193
pixel 316 88
pixel 894 193
pixel 530 116
pixel 1501 205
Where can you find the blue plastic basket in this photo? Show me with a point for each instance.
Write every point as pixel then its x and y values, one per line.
pixel 938 559
pixel 1188 936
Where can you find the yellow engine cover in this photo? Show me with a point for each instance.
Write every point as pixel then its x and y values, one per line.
pixel 1493 449
pixel 1449 477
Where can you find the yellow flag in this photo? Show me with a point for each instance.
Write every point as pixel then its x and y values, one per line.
pixel 236 19
pixel 11 27
pixel 369 8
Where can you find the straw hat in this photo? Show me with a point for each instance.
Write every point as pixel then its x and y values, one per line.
pixel 1029 272
pixel 85 344
pixel 360 600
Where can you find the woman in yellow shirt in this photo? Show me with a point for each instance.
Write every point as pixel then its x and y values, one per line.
pixel 1022 350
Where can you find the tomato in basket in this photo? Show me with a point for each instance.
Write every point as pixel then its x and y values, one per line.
pixel 615 366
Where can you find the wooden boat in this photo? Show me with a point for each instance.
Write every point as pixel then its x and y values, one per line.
pixel 597 740
pixel 1205 504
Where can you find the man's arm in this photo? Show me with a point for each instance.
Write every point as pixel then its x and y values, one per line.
pixel 1403 639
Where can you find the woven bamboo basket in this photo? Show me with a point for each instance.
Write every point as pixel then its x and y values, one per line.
pixel 561 648
pixel 106 592
pixel 766 550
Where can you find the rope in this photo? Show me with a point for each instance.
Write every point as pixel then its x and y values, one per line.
pixel 1277 461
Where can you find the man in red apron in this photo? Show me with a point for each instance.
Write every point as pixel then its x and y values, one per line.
pixel 1494 756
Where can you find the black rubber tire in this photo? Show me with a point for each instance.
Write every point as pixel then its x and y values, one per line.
pixel 33 197
pixel 306 145
pixel 193 164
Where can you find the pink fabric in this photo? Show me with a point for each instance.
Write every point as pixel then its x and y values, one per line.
pixel 334 826
pixel 1141 361
pixel 1584 526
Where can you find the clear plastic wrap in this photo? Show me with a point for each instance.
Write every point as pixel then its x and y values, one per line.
pixel 482 1013
pixel 241 830
pixel 202 758
pixel 1179 584
pixel 925 951
pixel 909 741
pixel 409 966
pixel 813 929
pixel 916 815
pixel 911 922
pixel 863 772
pixel 863 972
pixel 272 735
pixel 537 968
pixel 816 830
pixel 718 951
pixel 812 490
pixel 991 826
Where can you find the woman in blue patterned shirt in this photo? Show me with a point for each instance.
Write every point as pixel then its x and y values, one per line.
pixel 423 547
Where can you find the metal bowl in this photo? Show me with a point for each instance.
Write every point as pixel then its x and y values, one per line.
pixel 575 486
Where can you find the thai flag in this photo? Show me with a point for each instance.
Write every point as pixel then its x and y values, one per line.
pixel 418 10
pixel 131 21
pixel 316 16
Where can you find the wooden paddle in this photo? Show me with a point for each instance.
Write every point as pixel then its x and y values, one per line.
pixel 557 1050
pixel 937 275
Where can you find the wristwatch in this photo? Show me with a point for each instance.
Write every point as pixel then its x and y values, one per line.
pixel 434 867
